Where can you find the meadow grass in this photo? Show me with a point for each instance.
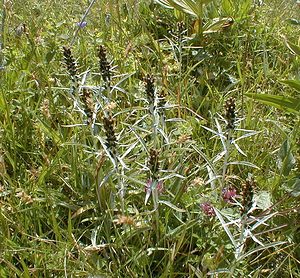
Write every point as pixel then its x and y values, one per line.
pixel 129 146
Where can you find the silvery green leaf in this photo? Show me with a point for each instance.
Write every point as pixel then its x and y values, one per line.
pixel 224 225
pixel 238 148
pixel 261 248
pixel 245 163
pixel 171 205
pixel 219 156
pixel 296 189
pixel 246 135
pixel 262 221
pixel 263 200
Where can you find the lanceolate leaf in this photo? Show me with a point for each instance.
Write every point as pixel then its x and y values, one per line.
pixel 293 47
pixel 292 83
pixel 296 189
pixel 286 160
pixel 192 7
pixel 288 104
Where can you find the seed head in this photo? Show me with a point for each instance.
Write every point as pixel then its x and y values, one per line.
pixel 162 98
pixel 111 140
pixel 230 113
pixel 87 100
pixel 247 195
pixel 149 86
pixel 71 66
pixel 104 64
pixel 153 162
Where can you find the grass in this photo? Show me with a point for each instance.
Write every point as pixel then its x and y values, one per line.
pixel 135 152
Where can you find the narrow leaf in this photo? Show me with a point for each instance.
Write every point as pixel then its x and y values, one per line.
pixel 288 104
pixel 171 205
pixel 295 84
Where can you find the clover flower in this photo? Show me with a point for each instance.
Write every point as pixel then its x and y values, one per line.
pixel 150 186
pixel 207 209
pixel 228 194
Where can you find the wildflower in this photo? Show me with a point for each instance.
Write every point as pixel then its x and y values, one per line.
pixel 228 194
pixel 247 195
pixel 24 197
pixel 161 98
pixel 153 162
pixel 111 140
pixel 208 209
pixel 45 108
pixel 88 104
pixel 127 220
pixel 149 86
pixel 152 184
pixel 104 65
pixel 230 113
pixel 81 24
pixel 71 67
pixel 110 106
pixel 183 138
pixel 197 182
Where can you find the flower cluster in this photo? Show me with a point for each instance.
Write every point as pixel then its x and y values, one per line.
pixel 104 64
pixel 151 184
pixel 71 67
pixel 207 209
pixel 230 113
pixel 111 140
pixel 247 195
pixel 88 104
pixel 150 91
pixel 228 194
pixel 153 163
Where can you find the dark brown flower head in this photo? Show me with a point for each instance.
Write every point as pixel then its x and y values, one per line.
pixel 180 30
pixel 70 63
pixel 247 195
pixel 111 140
pixel 104 64
pixel 230 113
pixel 87 100
pixel 149 86
pixel 153 162
pixel 162 98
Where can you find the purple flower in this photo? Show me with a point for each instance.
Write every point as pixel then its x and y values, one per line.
pixel 208 209
pixel 81 24
pixel 152 184
pixel 228 194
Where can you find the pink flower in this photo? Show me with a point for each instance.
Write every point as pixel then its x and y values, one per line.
pixel 208 209
pixel 152 184
pixel 228 194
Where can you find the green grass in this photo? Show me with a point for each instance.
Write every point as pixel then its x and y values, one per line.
pixel 81 173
